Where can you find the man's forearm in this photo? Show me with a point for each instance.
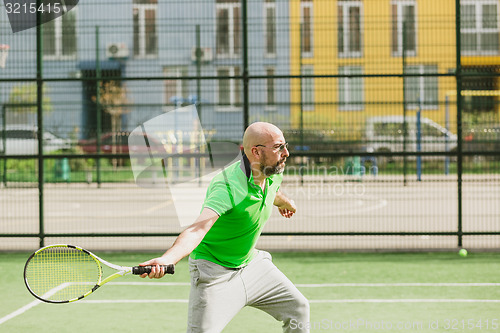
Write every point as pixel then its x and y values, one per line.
pixel 280 199
pixel 190 238
pixel 185 243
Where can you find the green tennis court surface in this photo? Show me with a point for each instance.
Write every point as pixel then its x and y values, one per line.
pixel 355 292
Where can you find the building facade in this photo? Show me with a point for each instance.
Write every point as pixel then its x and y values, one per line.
pixel 358 51
pixel 149 47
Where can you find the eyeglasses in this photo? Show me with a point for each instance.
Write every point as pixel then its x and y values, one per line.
pixel 280 148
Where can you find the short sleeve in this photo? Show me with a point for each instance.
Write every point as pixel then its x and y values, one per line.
pixel 219 197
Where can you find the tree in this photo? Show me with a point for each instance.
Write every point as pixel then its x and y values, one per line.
pixel 113 100
pixel 23 101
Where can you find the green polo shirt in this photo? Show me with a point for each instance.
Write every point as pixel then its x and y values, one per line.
pixel 243 210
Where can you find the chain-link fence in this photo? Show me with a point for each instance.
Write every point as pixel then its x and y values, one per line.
pixel 390 109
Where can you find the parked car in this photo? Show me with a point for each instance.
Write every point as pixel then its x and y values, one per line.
pixel 385 134
pixel 484 138
pixel 23 140
pixel 118 145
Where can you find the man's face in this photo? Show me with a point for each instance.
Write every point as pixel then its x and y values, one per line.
pixel 273 158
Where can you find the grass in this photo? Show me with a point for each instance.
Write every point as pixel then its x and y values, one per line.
pixel 333 307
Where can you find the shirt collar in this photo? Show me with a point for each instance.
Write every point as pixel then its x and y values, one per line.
pixel 247 169
pixel 245 165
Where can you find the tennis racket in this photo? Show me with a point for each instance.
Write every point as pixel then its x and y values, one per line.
pixel 66 273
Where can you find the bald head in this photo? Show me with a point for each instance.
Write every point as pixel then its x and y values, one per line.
pixel 260 133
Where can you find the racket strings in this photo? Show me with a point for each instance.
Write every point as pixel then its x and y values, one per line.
pixel 61 274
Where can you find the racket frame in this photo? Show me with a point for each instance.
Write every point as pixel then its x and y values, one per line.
pixel 122 271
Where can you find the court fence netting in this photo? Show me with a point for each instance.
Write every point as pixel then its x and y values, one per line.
pixel 390 109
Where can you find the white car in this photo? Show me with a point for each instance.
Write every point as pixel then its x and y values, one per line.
pixel 385 134
pixel 22 140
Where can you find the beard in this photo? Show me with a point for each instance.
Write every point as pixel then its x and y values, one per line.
pixel 269 170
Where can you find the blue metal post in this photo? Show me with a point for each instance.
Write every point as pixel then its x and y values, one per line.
pixel 419 141
pixel 447 139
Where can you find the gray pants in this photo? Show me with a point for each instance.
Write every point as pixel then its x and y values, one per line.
pixel 218 293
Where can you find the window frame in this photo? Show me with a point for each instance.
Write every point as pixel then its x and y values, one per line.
pixel 270 4
pixel 478 30
pixel 306 83
pixel 422 85
pixel 345 7
pixel 233 50
pixel 399 27
pixel 142 8
pixel 59 38
pixel 233 87
pixel 181 86
pixel 303 5
pixel 270 72
pixel 344 94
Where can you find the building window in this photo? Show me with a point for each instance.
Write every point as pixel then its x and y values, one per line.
pixel 270 17
pixel 306 22
pixel 349 28
pixel 145 35
pixel 176 91
pixel 404 19
pixel 270 90
pixel 307 88
pixel 229 90
pixel 228 28
pixel 421 91
pixel 479 27
pixel 59 37
pixel 351 89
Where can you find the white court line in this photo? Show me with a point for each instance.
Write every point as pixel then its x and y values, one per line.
pixel 323 285
pixel 423 300
pixel 19 311
pixel 379 300
pixel 153 284
pixel 151 210
pixel 328 285
pixel 118 301
pixel 33 304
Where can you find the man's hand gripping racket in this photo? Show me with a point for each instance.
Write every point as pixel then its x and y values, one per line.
pixel 157 268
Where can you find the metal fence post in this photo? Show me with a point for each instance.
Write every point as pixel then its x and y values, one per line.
pixel 419 140
pixel 39 101
pixel 4 146
pixel 447 142
pixel 405 127
pixel 198 99
pixel 244 16
pixel 458 75
pixel 301 96
pixel 98 106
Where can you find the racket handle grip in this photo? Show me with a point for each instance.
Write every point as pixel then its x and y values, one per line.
pixel 139 270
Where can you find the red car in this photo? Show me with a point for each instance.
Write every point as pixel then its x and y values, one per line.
pixel 117 145
pixel 121 144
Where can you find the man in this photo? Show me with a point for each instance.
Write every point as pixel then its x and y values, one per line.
pixel 227 272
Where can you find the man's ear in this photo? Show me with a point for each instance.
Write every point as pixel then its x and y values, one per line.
pixel 255 152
